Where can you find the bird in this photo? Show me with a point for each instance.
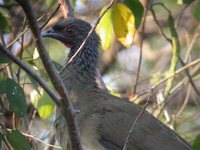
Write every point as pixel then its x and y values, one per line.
pixel 104 120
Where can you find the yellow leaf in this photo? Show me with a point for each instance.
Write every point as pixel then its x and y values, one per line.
pixel 105 30
pixel 45 111
pixel 43 103
pixel 123 24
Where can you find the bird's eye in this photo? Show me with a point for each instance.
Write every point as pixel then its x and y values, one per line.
pixel 70 30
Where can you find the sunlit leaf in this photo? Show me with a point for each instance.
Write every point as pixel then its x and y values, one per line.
pixel 105 30
pixel 36 54
pixel 44 103
pixel 137 9
pixel 123 24
pixel 196 144
pixel 15 96
pixel 196 10
pixel 17 140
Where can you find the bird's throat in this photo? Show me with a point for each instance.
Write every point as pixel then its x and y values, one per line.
pixel 68 45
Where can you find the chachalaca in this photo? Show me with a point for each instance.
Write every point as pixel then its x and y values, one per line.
pixel 103 119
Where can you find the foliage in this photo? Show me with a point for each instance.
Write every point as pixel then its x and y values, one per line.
pixel 121 20
pixel 15 96
pixel 17 140
pixel 196 144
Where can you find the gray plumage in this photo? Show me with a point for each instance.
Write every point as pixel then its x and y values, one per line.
pixel 104 120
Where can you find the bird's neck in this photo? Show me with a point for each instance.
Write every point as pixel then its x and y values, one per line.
pixel 80 75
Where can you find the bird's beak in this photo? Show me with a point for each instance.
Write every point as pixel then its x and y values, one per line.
pixel 49 33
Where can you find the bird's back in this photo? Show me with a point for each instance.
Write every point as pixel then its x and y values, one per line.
pixel 113 119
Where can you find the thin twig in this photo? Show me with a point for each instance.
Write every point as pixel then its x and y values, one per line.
pixel 88 35
pixel 184 103
pixel 166 78
pixel 53 14
pixel 141 48
pixel 135 123
pixel 190 78
pixel 13 41
pixel 159 26
pixel 52 141
pixel 63 8
pixel 37 139
pixel 195 37
pixel 182 12
pixel 26 29
pixel 69 9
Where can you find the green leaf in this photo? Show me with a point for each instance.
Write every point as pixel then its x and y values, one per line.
pixel 196 143
pixel 17 140
pixel 137 9
pixel 105 30
pixel 4 26
pixel 44 104
pixel 4 58
pixel 181 2
pixel 15 96
pixel 123 24
pixel 196 9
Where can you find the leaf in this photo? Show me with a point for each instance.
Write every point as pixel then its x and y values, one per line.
pixel 181 2
pixel 4 58
pixel 196 143
pixel 105 30
pixel 17 140
pixel 4 26
pixel 137 9
pixel 123 24
pixel 44 104
pixel 196 9
pixel 15 96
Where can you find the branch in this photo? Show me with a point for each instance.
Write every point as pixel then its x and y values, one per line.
pixel 66 107
pixel 69 11
pixel 66 8
pixel 27 69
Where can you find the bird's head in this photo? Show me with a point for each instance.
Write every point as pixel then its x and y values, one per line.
pixel 71 32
